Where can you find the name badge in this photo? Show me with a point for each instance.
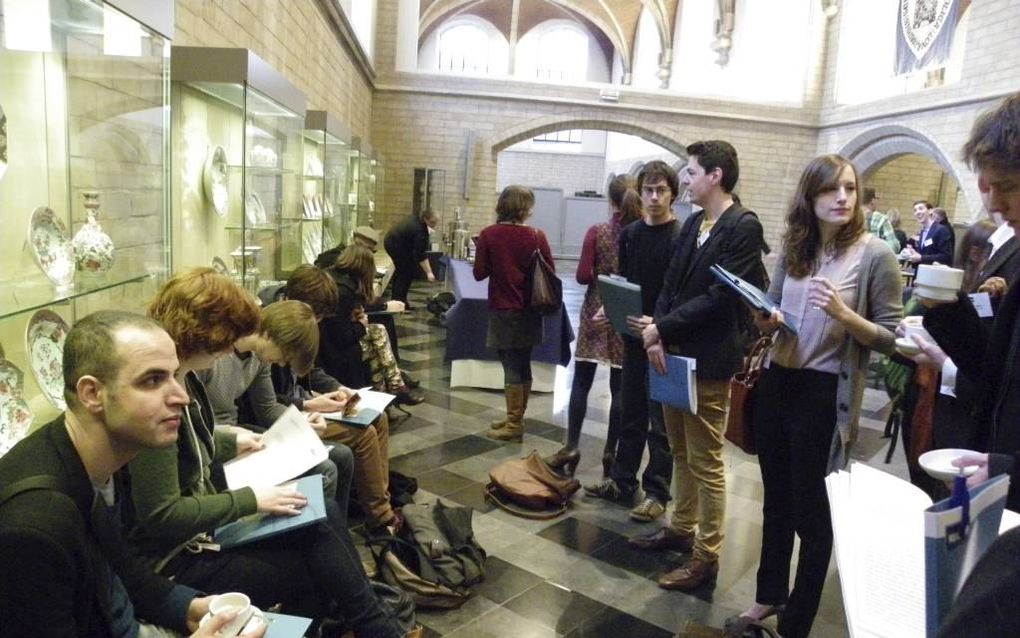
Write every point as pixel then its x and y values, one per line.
pixel 927 242
pixel 983 304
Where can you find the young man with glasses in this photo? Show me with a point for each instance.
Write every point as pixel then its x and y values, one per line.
pixel 645 247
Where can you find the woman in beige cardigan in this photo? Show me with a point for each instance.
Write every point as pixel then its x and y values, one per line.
pixel 841 287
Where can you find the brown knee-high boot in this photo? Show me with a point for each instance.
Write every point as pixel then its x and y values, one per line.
pixel 516 401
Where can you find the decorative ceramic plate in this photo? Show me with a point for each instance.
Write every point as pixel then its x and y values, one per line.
pixel 3 143
pixel 254 212
pixel 51 246
pixel 214 180
pixel 44 339
pixel 220 266
pixel 15 415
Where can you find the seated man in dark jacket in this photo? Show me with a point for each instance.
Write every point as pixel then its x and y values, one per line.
pixel 66 571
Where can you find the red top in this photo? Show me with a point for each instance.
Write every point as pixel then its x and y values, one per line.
pixel 503 254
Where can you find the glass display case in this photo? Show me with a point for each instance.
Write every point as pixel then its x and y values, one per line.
pixel 326 218
pixel 237 163
pixel 83 168
pixel 367 178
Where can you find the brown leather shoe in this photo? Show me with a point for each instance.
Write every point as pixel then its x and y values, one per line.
pixel 663 538
pixel 694 574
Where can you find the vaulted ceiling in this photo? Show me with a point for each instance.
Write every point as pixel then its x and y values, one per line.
pixel 614 23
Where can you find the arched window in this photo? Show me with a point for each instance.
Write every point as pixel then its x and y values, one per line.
pixel 562 54
pixel 472 46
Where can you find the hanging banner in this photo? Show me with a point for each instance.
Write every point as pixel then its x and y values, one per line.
pixel 924 33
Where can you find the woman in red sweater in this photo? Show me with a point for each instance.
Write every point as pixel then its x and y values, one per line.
pixel 504 254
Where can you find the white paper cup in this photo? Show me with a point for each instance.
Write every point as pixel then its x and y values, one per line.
pixel 231 602
pixel 915 326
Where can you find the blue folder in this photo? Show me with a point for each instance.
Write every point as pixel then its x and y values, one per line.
pixel 284 626
pixel 677 388
pixel 260 526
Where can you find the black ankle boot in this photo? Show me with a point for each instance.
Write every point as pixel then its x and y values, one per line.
pixel 564 462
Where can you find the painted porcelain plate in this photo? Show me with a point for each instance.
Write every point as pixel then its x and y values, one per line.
pixel 254 212
pixel 214 180
pixel 51 246
pixel 44 339
pixel 3 142
pixel 15 415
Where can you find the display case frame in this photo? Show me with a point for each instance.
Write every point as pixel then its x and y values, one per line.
pixel 85 97
pixel 230 98
pixel 327 217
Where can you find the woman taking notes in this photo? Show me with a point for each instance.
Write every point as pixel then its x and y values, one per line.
pixel 841 287
pixel 505 251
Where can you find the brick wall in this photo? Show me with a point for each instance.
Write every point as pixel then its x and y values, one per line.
pixel 567 171
pixel 294 37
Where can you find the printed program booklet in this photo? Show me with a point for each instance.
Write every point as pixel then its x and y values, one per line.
pixel 368 408
pixel 898 573
pixel 677 388
pixel 291 448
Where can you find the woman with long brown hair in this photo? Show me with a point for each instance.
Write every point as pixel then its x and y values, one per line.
pixel 373 360
pixel 841 287
pixel 598 342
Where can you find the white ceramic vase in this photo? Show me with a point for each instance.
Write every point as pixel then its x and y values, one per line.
pixel 93 248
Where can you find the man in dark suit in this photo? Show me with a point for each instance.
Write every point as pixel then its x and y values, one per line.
pixel 698 316
pixel 66 569
pixel 934 241
pixel 991 355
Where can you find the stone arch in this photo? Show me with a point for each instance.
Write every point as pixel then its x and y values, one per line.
pixel 877 146
pixel 594 120
pixel 874 147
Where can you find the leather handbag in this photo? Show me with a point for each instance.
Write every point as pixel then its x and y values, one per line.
pixel 740 419
pixel 527 488
pixel 546 288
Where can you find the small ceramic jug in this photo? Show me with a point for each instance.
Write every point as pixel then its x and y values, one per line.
pixel 93 249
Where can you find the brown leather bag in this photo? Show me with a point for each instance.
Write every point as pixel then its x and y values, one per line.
pixel 546 287
pixel 740 419
pixel 528 488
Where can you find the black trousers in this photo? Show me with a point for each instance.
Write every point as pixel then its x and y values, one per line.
pixel 794 435
pixel 315 571
pixel 404 273
pixel 641 422
pixel 584 376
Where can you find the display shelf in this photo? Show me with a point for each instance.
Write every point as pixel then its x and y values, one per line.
pixel 16 298
pixel 229 98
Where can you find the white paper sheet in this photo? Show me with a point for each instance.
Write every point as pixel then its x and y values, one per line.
pixel 291 448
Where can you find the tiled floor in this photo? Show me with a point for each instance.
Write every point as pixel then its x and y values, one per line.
pixel 574 575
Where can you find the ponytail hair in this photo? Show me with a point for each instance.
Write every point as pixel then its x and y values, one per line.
pixel 624 196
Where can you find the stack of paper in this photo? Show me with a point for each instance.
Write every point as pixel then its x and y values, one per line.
pixel 893 572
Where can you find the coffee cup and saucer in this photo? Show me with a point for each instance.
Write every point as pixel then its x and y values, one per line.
pixel 913 325
pixel 248 616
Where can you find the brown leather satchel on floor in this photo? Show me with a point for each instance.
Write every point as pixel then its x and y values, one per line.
pixel 740 419
pixel 528 488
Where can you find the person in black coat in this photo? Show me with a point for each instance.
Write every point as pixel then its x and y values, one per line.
pixel 407 244
pixel 990 355
pixel 67 570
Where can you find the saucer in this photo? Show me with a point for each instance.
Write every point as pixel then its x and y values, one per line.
pixel 938 463
pixel 935 294
pixel 256 613
pixel 907 346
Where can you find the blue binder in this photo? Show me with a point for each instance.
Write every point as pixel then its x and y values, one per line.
pixel 259 526
pixel 677 388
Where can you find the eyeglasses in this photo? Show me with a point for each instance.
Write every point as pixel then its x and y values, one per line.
pixel 661 191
